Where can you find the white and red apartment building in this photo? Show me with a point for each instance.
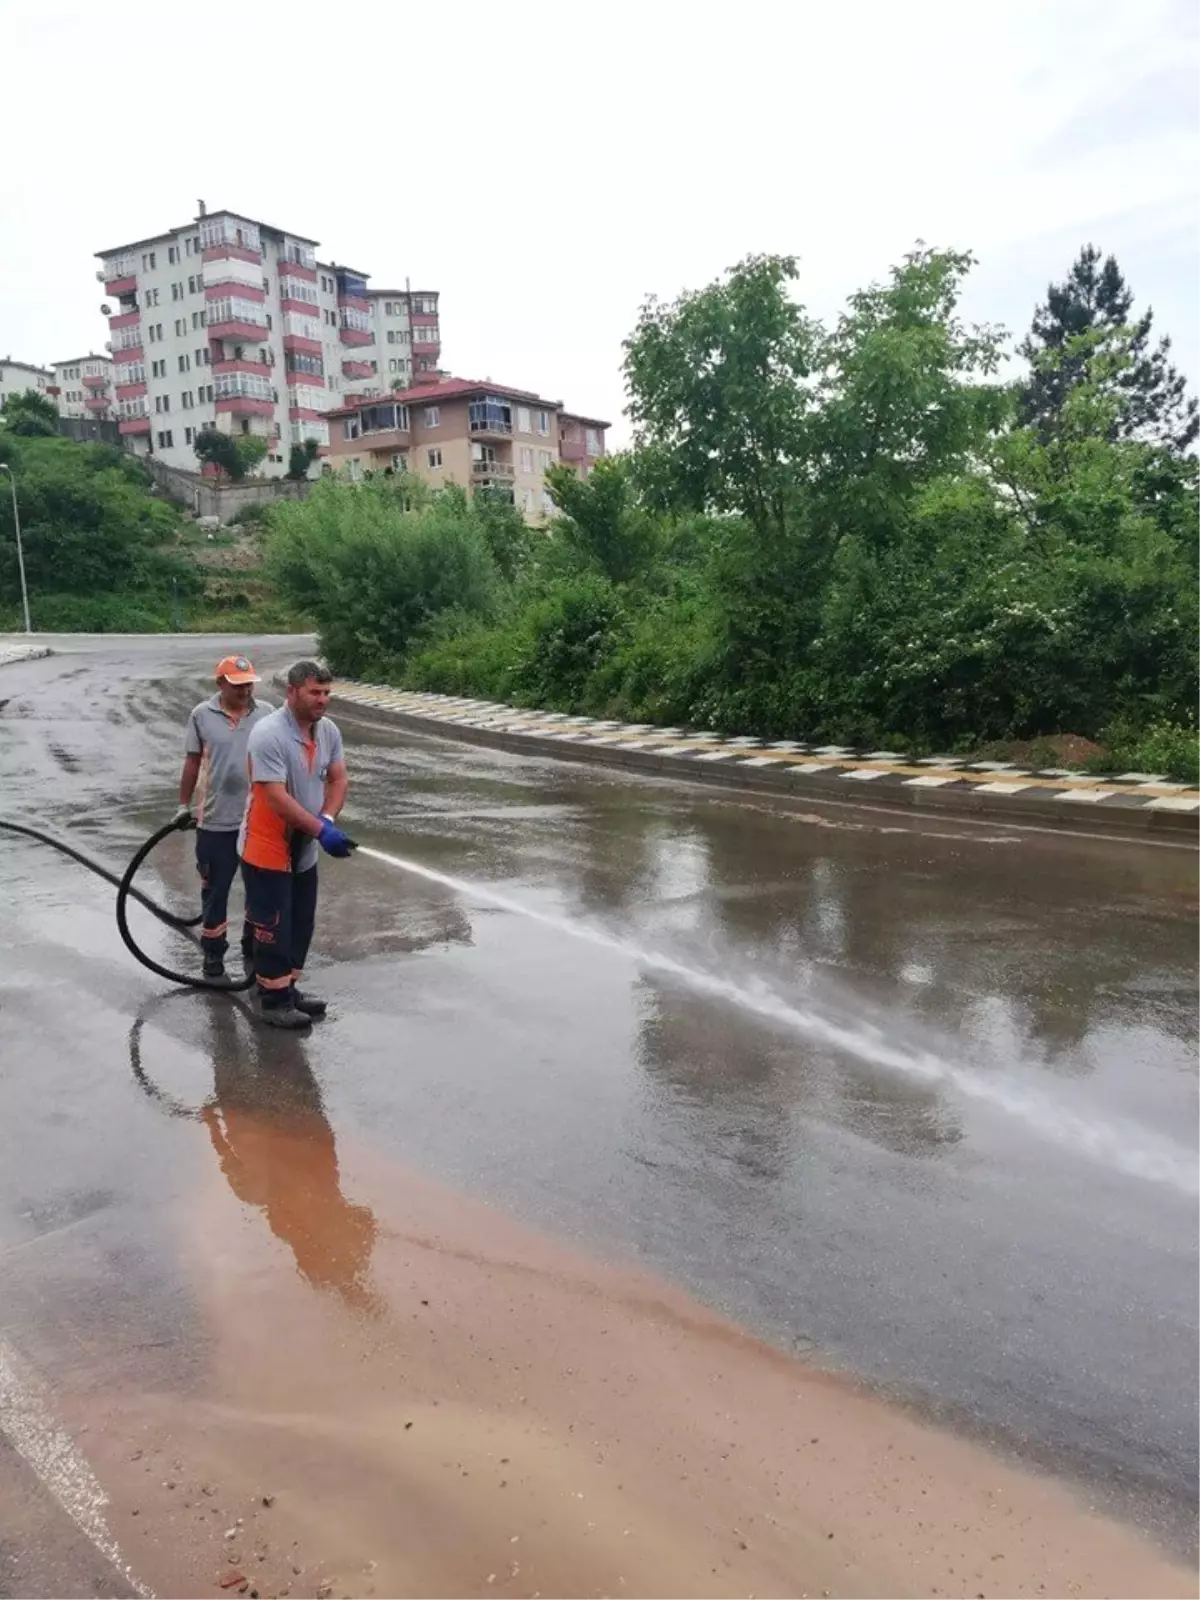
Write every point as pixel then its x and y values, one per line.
pixel 481 435
pixel 230 323
pixel 82 387
pixel 17 377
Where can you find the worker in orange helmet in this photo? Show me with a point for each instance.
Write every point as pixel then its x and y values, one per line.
pixel 213 786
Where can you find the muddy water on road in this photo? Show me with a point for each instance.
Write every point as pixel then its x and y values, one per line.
pixel 219 1248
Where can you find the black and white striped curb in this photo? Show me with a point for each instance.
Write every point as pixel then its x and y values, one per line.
pixel 1136 798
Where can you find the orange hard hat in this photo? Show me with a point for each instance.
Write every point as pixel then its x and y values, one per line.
pixel 236 669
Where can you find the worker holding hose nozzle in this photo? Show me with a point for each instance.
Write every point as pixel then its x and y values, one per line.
pixel 297 789
pixel 214 782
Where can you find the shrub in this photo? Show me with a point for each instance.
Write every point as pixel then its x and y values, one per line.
pixel 373 573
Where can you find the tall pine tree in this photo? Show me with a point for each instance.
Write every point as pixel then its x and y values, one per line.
pixel 1094 296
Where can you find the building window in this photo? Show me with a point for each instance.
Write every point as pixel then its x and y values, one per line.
pixel 350 428
pixel 172 255
pixel 547 503
pixel 593 441
pixel 543 422
pixel 164 440
pixel 547 460
pixel 526 458
pixel 400 462
pixel 434 457
pixel 176 291
pixel 148 262
pixel 527 499
pixel 185 399
pixel 184 363
pixel 189 435
pixel 433 419
pixel 181 327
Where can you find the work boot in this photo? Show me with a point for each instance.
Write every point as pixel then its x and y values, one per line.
pixel 285 1017
pixel 309 1004
pixel 214 971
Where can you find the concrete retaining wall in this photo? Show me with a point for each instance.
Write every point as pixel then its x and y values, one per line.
pixel 205 498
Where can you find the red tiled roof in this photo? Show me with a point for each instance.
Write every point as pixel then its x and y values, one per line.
pixel 445 389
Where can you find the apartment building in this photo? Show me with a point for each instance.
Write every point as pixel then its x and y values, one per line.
pixel 18 376
pixel 580 442
pixel 481 435
pixel 230 323
pixel 82 387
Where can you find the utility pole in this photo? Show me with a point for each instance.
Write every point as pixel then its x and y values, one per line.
pixel 12 483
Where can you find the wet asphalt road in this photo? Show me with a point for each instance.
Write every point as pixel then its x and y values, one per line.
pixel 935 1121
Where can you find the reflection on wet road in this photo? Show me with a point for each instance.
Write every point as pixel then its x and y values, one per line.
pixel 929 1112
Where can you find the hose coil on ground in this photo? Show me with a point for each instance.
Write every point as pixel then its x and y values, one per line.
pixel 126 891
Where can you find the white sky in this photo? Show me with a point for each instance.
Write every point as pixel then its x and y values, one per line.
pixel 547 166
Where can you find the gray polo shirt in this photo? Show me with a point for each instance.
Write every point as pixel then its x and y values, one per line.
pixel 279 753
pixel 220 741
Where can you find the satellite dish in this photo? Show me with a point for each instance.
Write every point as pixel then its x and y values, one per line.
pixel 105 311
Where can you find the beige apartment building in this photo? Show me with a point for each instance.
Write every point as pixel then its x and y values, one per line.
pixel 480 435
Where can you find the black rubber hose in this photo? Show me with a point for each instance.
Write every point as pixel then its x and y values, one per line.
pixel 101 871
pixel 126 891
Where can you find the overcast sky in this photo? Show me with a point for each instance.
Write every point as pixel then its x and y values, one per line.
pixel 548 166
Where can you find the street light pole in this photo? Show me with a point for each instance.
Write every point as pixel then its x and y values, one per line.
pixel 12 483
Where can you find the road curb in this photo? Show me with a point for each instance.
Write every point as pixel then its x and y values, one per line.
pixel 888 790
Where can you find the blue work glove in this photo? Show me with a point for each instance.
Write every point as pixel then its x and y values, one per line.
pixel 332 840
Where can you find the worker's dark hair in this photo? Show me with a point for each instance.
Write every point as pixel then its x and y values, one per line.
pixel 307 672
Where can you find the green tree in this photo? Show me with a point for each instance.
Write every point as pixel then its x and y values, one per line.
pixel 602 519
pixel 1094 297
pixel 301 459
pixel 89 525
pixel 29 415
pixel 236 455
pixel 719 395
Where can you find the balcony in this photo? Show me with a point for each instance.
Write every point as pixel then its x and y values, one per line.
pixel 300 431
pixel 95 380
pixel 121 288
pixel 244 405
pixel 352 289
pixel 131 352
pixel 356 369
pixel 258 369
pixel 294 344
pixel 236 318
pixel 489 428
pixel 572 450
pixel 243 394
pixel 494 471
pixel 96 402
pixel 293 268
pixel 125 319
pixel 426 335
pixel 305 402
pixel 356 326
pixel 131 391
pixel 223 238
pixel 133 416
